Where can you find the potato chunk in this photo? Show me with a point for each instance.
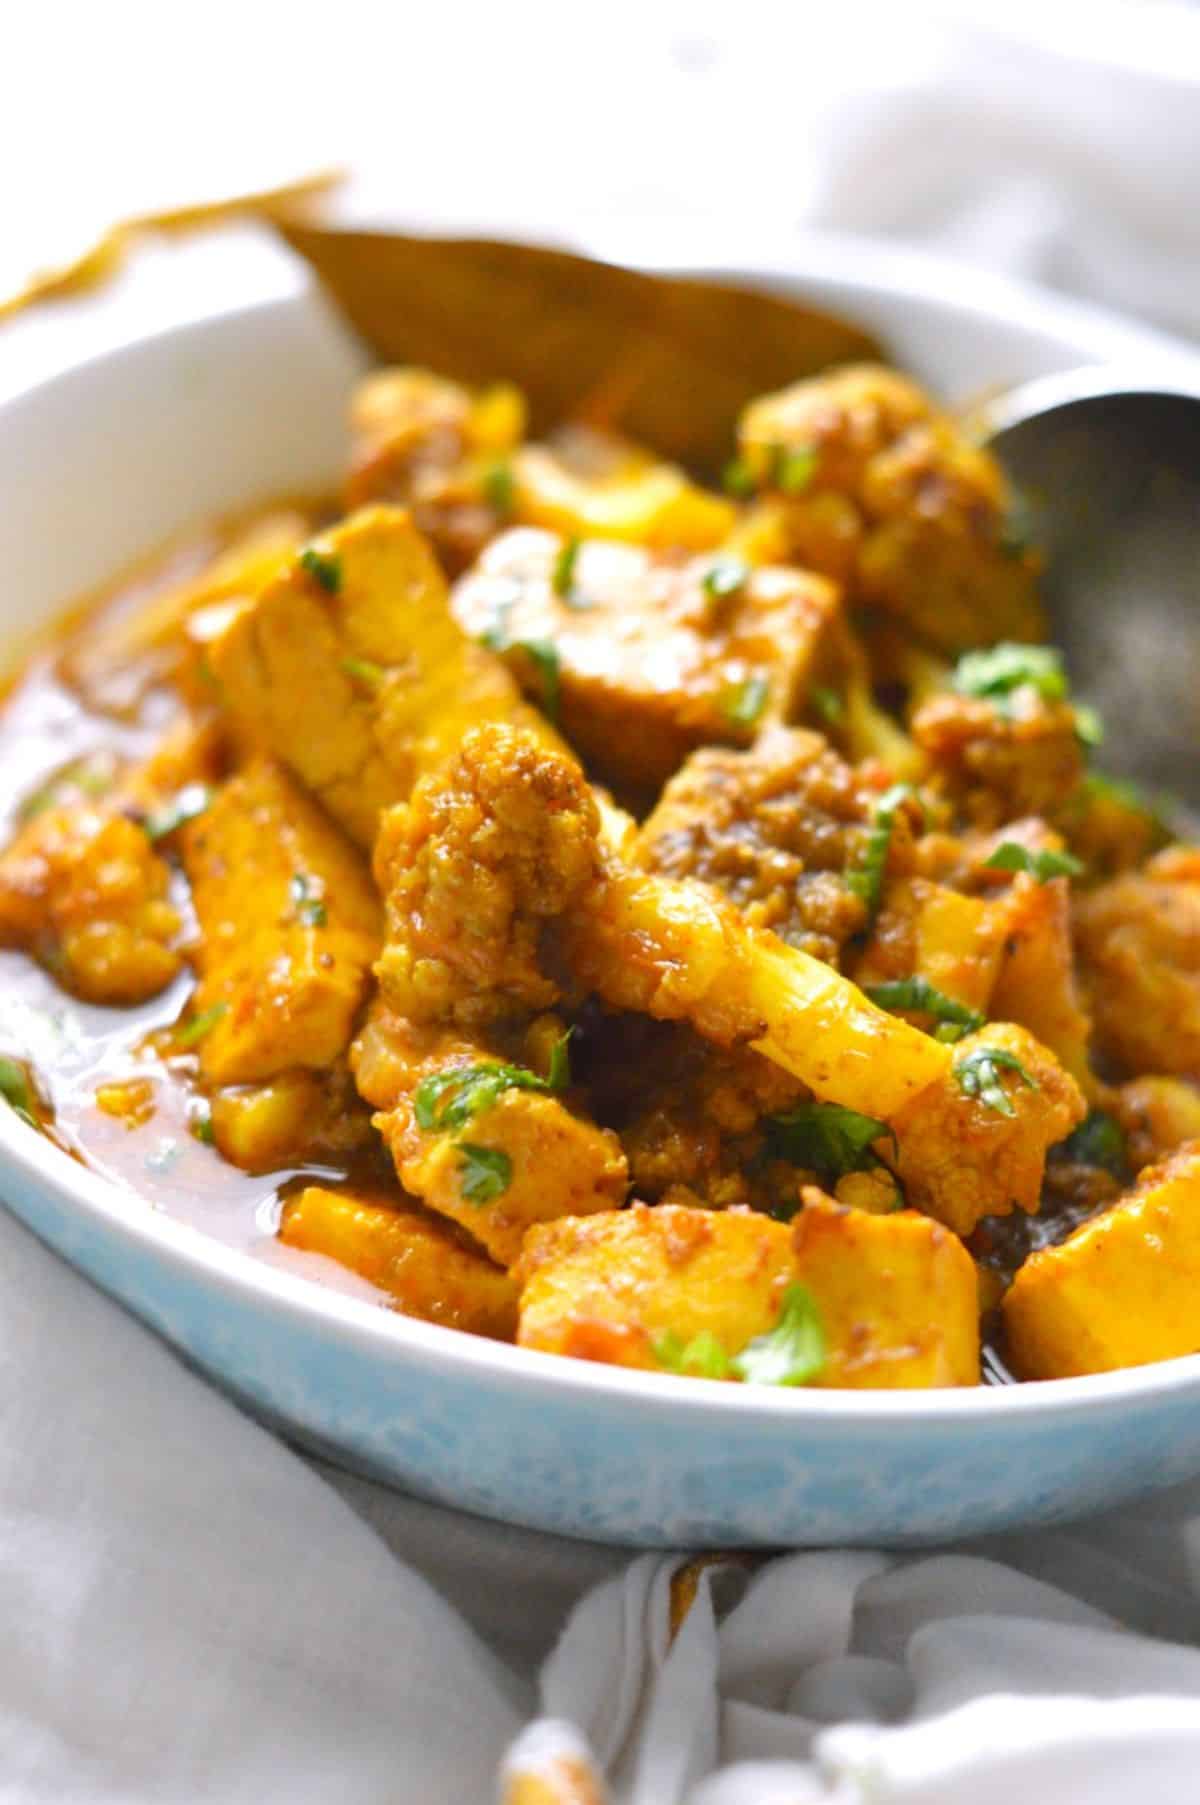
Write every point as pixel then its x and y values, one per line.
pixel 961 1158
pixel 868 481
pixel 594 485
pixel 82 889
pixel 422 1267
pixel 1138 940
pixel 643 661
pixel 774 828
pixel 610 1287
pixel 290 925
pixel 897 1297
pixel 351 670
pixel 1120 1291
pixel 522 1156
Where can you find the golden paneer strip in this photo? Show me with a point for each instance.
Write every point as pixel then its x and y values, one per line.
pixel 590 484
pixel 894 1296
pixel 350 668
pixel 1120 1291
pixel 1036 984
pixel 289 927
pixel 610 1287
pixel 897 1296
pixel 424 1269
pixel 961 1157
pixel 646 655
pixel 520 1155
pixel 82 889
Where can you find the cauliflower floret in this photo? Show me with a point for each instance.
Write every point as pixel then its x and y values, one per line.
pixel 82 889
pixel 867 481
pixel 1138 940
pixel 998 763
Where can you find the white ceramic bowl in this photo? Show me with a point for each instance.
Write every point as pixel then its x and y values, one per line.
pixel 234 388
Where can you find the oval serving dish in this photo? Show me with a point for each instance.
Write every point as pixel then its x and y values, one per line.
pixel 242 392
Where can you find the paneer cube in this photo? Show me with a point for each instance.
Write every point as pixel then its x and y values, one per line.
pixel 290 925
pixel 1120 1291
pixel 424 1269
pixel 350 668
pixel 897 1297
pixel 646 656
pixel 612 1287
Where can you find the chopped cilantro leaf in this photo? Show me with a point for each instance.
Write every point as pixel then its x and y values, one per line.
pixel 1089 728
pixel 324 567
pixel 194 1031
pixel 978 1075
pixel 994 674
pixel 724 577
pixel 1098 1141
pixel 364 671
pixel 737 479
pixel 827 703
pixel 485 1172
pixel 562 577
pixel 793 1352
pixel 543 653
pixel 498 487
pixel 703 1356
pixel 449 1099
pixel 742 703
pixel 16 1091
pixel 866 879
pixel 794 468
pixel 1011 856
pixel 200 1123
pixel 825 1139
pixel 918 995
pixel 191 801
pixel 310 907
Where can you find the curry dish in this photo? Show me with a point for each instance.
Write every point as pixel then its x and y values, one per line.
pixel 672 927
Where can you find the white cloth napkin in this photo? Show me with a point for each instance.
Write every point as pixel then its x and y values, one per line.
pixel 189 1611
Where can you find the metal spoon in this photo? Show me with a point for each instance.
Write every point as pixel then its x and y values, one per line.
pixel 1108 462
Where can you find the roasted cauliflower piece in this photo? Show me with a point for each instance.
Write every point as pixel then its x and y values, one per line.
pixel 422 1266
pixel 644 656
pixel 866 480
pixel 441 450
pixel 996 763
pixel 491 1144
pixel 350 668
pixel 589 484
pixel 872 1300
pixel 974 1143
pixel 1138 942
pixel 896 1295
pixel 775 829
pixel 289 927
pixel 83 890
pixel 1156 1115
pixel 619 1287
pixel 1120 1291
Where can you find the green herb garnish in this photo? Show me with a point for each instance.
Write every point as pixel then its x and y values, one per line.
pixel 702 1356
pixel 201 1125
pixel 1089 728
pixel 305 892
pixel 191 801
pixel 742 703
pixel 825 1139
pixel 1011 856
pixel 920 997
pixel 794 467
pixel 364 671
pixel 485 1172
pixel 978 1075
pixel 737 479
pixel 793 1352
pixel 449 1099
pixel 1098 1141
pixel 16 1090
pixel 498 487
pixel 866 879
pixel 194 1031
pixel 994 674
pixel 724 577
pixel 543 653
pixel 562 577
pixel 828 704
pixel 324 567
